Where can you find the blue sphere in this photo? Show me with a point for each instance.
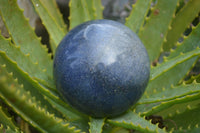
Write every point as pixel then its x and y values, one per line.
pixel 101 68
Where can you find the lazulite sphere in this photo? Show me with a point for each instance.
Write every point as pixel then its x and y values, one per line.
pixel 101 68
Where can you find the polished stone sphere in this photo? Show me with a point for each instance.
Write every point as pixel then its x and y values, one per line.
pixel 101 68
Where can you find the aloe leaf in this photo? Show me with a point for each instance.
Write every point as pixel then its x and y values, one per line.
pixel 7 130
pixel 132 120
pixel 28 41
pixel 26 85
pixel 109 128
pixel 193 78
pixel 55 30
pixel 32 85
pixel 22 103
pixel 96 125
pixel 53 11
pixel 172 93
pixel 190 43
pixel 68 114
pixel 195 129
pixel 78 12
pixel 98 9
pixel 170 67
pixel 178 108
pixel 154 32
pixel 186 120
pixel 141 108
pixel 138 14
pixel 168 108
pixel 95 9
pixel 167 104
pixel 182 19
pixel 90 9
pixel 6 120
pixel 22 79
pixel 25 63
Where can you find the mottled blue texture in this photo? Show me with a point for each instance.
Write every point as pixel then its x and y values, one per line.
pixel 101 68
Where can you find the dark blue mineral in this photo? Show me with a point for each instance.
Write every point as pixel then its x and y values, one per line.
pixel 101 68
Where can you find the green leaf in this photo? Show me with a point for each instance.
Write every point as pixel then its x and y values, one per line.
pixel 178 108
pixel 195 129
pixel 172 93
pixel 131 120
pixel 55 30
pixel 90 9
pixel 23 35
pixel 141 108
pixel 6 120
pixel 23 78
pixel 163 71
pixel 53 11
pixel 95 9
pixel 190 43
pixel 155 30
pixel 70 114
pixel 193 78
pixel 33 86
pixel 182 19
pixel 187 120
pixel 109 128
pixel 160 106
pixel 25 63
pixel 7 129
pixel 96 125
pixel 137 17
pixel 84 10
pixel 98 9
pixel 78 12
pixel 24 105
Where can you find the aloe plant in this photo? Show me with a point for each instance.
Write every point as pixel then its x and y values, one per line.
pixel 170 104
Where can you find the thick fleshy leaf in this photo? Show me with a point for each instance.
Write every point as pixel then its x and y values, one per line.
pixel 178 108
pixel 22 77
pixel 55 30
pixel 34 87
pixel 7 129
pixel 180 22
pixel 187 120
pixel 155 29
pixel 25 105
pixel 163 71
pixel 23 35
pixel 25 63
pixel 96 125
pixel 53 10
pixel 98 9
pixel 138 14
pixel 190 43
pixel 195 129
pixel 6 120
pixel 131 120
pixel 78 12
pixel 172 93
pixel 160 106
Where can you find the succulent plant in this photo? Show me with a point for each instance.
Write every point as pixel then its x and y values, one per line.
pixel 30 102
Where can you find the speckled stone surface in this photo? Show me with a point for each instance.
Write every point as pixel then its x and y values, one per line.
pixel 101 68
